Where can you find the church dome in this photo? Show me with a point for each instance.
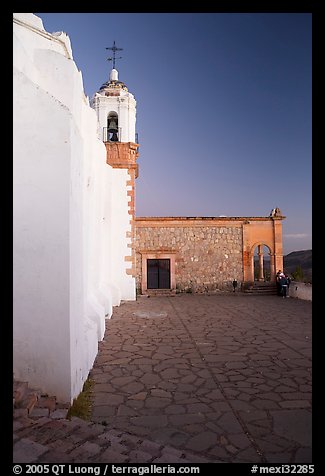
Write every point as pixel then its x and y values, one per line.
pixel 113 86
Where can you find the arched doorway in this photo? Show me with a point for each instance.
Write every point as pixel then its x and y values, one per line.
pixel 262 263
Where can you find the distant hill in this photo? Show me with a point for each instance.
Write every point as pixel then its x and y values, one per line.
pixel 301 258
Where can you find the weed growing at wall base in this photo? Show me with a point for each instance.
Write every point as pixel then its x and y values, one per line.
pixel 81 406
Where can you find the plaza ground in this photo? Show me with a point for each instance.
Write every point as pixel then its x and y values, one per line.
pixel 193 378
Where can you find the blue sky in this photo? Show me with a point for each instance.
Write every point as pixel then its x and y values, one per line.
pixel 224 108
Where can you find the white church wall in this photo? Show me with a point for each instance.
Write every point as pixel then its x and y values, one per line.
pixel 121 224
pixel 67 271
pixel 41 274
pixel 127 119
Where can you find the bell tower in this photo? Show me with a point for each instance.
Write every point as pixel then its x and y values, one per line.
pixel 115 107
pixel 116 111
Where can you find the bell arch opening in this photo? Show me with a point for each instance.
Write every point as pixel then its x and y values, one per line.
pixel 112 129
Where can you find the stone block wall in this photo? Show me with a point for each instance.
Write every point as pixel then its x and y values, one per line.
pixel 208 256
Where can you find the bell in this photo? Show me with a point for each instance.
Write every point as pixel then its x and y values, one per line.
pixel 112 127
pixel 114 137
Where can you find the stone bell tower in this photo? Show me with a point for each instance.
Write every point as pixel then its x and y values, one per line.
pixel 116 113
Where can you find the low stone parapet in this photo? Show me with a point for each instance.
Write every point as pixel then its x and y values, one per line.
pixel 301 290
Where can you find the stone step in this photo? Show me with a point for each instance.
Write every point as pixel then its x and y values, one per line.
pixel 33 404
pixel 80 441
pixel 160 292
pixel 260 293
pixel 19 392
pixel 31 401
pixel 42 433
pixel 262 289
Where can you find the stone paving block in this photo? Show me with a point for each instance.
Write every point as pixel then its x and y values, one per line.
pixel 85 451
pixel 303 456
pixel 20 412
pixel 295 404
pixel 59 414
pixel 169 458
pixel 102 411
pixel 150 447
pixel 240 440
pixel 172 451
pixel 219 453
pixel 137 456
pixel 253 415
pixel 119 447
pixel 270 444
pixel 107 438
pixel 278 458
pixel 82 434
pixel 196 459
pixel 152 421
pixel 107 399
pixel 55 457
pixel 202 442
pixel 47 402
pixel 131 441
pixel 27 451
pixel 248 455
pixel 61 445
pixel 78 421
pixel 39 412
pixel 111 456
pixel 91 448
pixel 295 425
pixel 21 423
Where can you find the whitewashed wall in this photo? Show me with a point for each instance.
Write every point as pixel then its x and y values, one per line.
pixel 69 217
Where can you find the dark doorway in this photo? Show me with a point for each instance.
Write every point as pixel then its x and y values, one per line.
pixel 158 273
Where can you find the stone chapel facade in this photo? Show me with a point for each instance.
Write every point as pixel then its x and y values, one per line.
pixel 204 254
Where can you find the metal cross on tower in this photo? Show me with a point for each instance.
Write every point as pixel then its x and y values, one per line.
pixel 114 49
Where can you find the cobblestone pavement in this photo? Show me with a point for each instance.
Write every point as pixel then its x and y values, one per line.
pixel 191 379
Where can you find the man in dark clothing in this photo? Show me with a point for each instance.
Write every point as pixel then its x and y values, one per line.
pixel 284 285
pixel 234 284
pixel 278 284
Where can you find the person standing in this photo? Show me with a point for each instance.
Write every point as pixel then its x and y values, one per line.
pixel 234 284
pixel 288 283
pixel 278 285
pixel 284 285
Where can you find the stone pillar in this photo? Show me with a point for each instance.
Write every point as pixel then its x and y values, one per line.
pixel 278 254
pixel 252 265
pixel 260 263
pixel 272 267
